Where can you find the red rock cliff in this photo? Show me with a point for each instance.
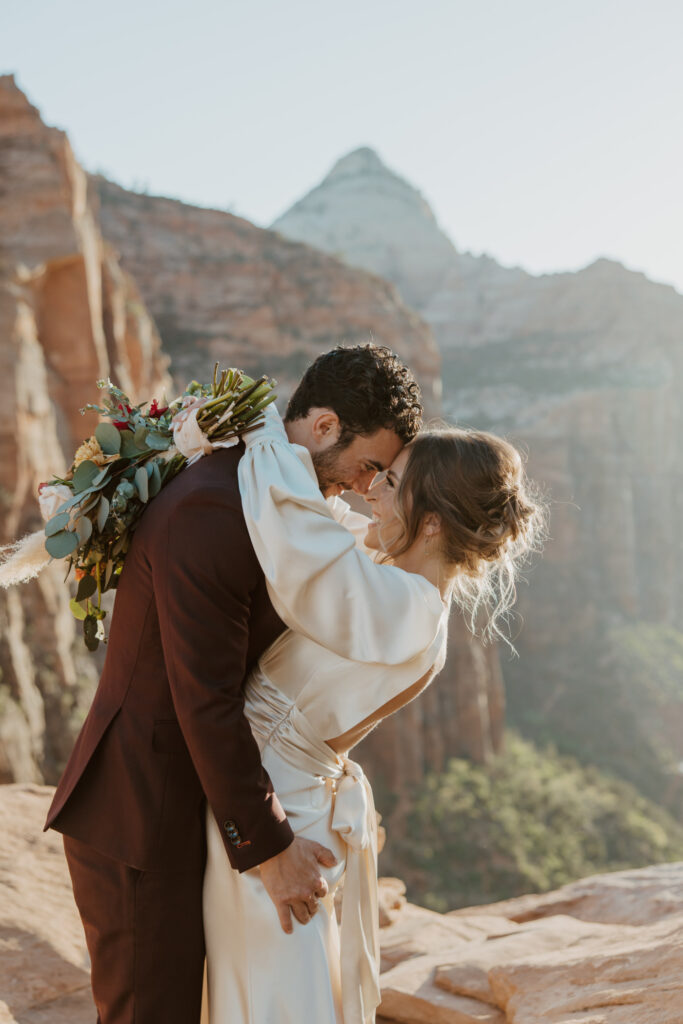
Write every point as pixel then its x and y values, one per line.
pixel 69 315
pixel 221 288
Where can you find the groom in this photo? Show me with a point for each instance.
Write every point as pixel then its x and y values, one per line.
pixel 167 732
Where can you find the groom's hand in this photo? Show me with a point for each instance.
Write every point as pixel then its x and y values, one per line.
pixel 294 882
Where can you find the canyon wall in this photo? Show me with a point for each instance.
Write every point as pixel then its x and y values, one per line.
pixel 220 288
pixel 69 314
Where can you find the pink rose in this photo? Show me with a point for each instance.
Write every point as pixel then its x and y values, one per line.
pixel 51 497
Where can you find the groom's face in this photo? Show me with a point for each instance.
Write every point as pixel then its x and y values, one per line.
pixel 352 467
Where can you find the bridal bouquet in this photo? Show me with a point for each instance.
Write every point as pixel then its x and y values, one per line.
pixel 92 512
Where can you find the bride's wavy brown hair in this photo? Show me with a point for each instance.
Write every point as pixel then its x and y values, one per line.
pixel 491 517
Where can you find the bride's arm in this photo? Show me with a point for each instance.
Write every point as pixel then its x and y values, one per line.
pixel 319 583
pixel 355 522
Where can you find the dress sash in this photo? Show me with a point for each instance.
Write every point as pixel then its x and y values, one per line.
pixel 279 723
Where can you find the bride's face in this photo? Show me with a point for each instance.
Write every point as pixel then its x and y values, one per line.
pixel 386 528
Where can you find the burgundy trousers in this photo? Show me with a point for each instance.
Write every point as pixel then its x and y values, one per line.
pixel 144 934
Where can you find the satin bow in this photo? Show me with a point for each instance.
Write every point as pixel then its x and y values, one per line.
pixel 188 436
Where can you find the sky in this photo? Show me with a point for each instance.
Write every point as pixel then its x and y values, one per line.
pixel 544 134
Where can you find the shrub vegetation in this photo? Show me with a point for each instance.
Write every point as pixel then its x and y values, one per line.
pixel 531 821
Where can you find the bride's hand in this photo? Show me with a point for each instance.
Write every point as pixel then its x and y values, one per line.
pixel 294 882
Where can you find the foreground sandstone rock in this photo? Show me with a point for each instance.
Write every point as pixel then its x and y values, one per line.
pixel 604 950
pixel 618 960
pixel 44 974
pixel 642 896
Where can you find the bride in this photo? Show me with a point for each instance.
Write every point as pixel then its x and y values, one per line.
pixel 454 508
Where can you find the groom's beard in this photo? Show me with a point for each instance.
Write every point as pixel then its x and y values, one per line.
pixel 328 469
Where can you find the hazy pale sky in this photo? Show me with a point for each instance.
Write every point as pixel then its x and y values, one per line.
pixel 543 133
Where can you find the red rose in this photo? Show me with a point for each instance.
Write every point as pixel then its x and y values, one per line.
pixel 122 424
pixel 155 411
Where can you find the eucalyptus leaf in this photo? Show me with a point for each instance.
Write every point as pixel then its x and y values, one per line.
pixel 56 524
pixel 101 476
pixel 142 484
pixel 86 588
pixel 61 544
pixel 77 610
pixel 111 585
pixel 119 545
pixel 109 438
pixel 140 438
pixel 129 449
pixel 154 480
pixel 83 529
pixel 76 499
pixel 91 500
pixel 84 476
pixel 102 513
pixel 90 633
pixel 108 571
pixel 158 442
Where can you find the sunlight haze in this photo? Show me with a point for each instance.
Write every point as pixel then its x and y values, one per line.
pixel 544 135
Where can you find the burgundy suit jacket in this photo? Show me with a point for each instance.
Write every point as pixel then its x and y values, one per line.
pixel 167 726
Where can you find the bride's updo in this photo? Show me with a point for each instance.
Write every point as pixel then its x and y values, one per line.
pixel 490 518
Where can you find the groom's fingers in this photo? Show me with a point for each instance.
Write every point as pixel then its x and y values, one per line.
pixel 324 856
pixel 285 916
pixel 301 912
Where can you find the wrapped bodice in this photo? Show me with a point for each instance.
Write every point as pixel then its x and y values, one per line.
pixel 336 694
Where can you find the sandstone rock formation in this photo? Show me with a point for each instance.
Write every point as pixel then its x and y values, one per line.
pixel 221 288
pixel 639 897
pixel 69 315
pixel 606 950
pixel 618 962
pixel 372 218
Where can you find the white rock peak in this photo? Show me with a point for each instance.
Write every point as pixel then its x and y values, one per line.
pixel 369 216
pixel 361 161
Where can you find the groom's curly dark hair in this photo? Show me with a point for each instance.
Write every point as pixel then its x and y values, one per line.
pixel 367 386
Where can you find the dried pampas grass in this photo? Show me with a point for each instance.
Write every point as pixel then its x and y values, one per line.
pixel 23 560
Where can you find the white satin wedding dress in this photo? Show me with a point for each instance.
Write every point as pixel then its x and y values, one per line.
pixel 300 695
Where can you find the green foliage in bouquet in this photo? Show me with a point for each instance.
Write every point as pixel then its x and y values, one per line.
pixel 123 466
